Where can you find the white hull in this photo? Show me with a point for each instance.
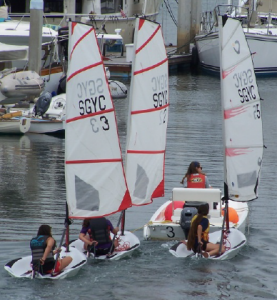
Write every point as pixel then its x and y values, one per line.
pixel 21 267
pixel 264 47
pixel 15 126
pixel 161 228
pixel 235 239
pixel 46 126
pixel 17 33
pixel 118 89
pixel 129 239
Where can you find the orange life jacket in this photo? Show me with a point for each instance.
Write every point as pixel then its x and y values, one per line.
pixel 196 181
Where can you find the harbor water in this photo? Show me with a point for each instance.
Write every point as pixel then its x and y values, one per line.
pixel 33 192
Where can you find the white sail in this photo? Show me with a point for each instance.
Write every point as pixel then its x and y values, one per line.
pixel 243 134
pixel 95 180
pixel 149 101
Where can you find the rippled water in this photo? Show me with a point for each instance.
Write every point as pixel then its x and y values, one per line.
pixel 33 192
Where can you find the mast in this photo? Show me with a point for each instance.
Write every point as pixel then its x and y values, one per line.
pixel 226 193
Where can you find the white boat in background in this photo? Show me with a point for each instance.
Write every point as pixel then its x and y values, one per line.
pixel 242 134
pixel 9 124
pixel 16 32
pixel 260 31
pixel 95 178
pixel 22 84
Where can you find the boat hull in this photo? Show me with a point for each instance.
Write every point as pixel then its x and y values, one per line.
pixel 235 239
pixel 15 126
pixel 128 239
pixel 263 47
pixel 160 229
pixel 21 267
pixel 46 126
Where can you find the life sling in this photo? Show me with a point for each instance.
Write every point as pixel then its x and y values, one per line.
pixel 38 245
pixel 197 181
pixel 99 230
pixel 205 233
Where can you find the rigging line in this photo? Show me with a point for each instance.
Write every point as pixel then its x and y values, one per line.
pixel 170 12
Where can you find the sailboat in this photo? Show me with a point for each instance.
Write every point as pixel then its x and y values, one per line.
pixel 95 174
pixel 242 133
pixel 145 153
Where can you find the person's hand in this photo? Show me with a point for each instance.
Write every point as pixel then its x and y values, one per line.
pixel 201 243
pixel 92 242
pixel 42 261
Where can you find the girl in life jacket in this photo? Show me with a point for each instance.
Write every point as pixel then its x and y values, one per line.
pixel 96 232
pixel 199 234
pixel 194 177
pixel 43 251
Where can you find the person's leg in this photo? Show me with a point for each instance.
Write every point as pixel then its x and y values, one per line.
pixel 213 249
pixel 64 262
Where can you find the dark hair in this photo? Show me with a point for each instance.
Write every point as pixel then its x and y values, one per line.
pixel 191 170
pixel 85 223
pixel 44 230
pixel 203 210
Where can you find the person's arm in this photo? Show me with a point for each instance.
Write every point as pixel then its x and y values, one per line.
pixel 199 234
pixel 115 230
pixel 50 244
pixel 83 237
pixel 207 183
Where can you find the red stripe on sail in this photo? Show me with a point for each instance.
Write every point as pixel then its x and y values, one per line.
pixel 227 72
pixel 93 161
pixel 80 39
pixel 149 110
pixel 159 191
pixel 73 24
pixel 84 69
pixel 141 22
pixel 233 112
pixel 90 115
pixel 126 201
pixel 150 38
pixel 235 152
pixel 151 67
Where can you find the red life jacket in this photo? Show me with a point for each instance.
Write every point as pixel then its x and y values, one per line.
pixel 196 181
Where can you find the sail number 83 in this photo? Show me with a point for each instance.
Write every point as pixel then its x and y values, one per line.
pixel 96 124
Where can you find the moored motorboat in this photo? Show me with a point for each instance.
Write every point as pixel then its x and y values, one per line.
pixel 167 223
pixel 11 124
pixel 260 32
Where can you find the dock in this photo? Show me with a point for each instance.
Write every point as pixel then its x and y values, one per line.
pixel 120 68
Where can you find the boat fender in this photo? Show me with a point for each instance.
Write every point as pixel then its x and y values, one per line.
pixel 42 103
pixel 233 215
pixel 194 57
